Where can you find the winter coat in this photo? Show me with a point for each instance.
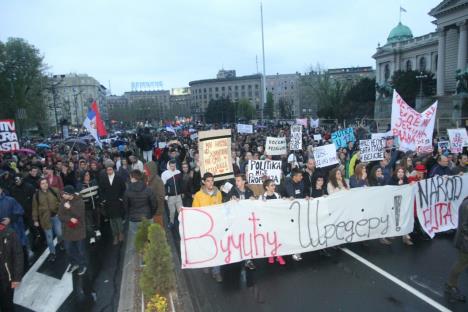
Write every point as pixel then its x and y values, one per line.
pixel 11 257
pixel 112 195
pixel 45 206
pixel 292 189
pixel 461 238
pixel 203 198
pixel 156 185
pixel 24 194
pixel 139 202
pixel 90 194
pixel 77 210
pixel 235 192
pixel 355 182
pixel 10 208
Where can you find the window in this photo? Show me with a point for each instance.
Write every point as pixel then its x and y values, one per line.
pixel 409 65
pixel 256 86
pixel 422 64
pixel 436 61
pixel 210 89
pixel 204 90
pixel 216 89
pixel 222 88
pixel 387 72
pixel 236 87
pixel 249 86
pixel 229 88
pixel 243 87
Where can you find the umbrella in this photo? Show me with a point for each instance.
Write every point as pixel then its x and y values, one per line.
pixel 42 145
pixel 26 151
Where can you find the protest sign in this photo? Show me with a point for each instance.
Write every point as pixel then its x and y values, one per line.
pixel 314 123
pixel 246 229
pixel 444 146
pixel 302 122
pixel 342 137
pixel 413 129
pixel 8 138
pixel 381 135
pixel 242 128
pixel 295 142
pixel 317 137
pixel 437 202
pixel 325 155
pixel 257 169
pixel 372 149
pixel 214 148
pixel 458 139
pixel 275 146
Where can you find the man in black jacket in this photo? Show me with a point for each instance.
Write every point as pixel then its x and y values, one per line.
pixel 11 270
pixel 461 243
pixel 139 200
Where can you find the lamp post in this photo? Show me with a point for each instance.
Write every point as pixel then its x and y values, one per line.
pixel 420 77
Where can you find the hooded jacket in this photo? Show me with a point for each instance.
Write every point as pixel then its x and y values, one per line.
pixel 139 202
pixel 11 257
pixel 203 198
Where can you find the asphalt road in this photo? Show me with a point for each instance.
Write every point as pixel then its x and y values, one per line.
pixel 339 282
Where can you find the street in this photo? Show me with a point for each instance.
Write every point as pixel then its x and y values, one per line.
pixel 337 283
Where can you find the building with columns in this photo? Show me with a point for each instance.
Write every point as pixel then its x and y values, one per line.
pixel 442 52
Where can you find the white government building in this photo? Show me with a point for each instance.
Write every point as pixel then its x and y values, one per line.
pixel 441 52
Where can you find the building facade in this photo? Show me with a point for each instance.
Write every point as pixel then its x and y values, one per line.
pixel 69 96
pixel 442 52
pixel 285 89
pixel 228 86
pixel 180 102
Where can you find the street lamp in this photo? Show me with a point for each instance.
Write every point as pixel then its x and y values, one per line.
pixel 420 77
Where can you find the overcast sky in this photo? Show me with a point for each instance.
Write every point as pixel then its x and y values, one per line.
pixel 178 41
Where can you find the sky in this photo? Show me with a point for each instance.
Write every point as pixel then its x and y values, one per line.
pixel 177 41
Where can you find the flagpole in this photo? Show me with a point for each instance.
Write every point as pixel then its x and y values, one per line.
pixel 263 56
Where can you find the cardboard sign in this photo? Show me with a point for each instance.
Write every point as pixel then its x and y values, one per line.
pixel 214 148
pixel 444 146
pixel 302 122
pixel 458 139
pixel 8 138
pixel 373 149
pixel 325 155
pixel 317 137
pixel 295 142
pixel 437 202
pixel 314 123
pixel 342 137
pixel 242 128
pixel 258 169
pixel 246 229
pixel 413 129
pixel 275 146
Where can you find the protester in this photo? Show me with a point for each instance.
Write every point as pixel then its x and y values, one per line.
pixel 172 179
pixel 359 179
pixel 139 200
pixel 156 185
pixel 441 168
pixel 54 180
pixel 45 206
pixel 336 182
pixel 209 195
pixel 89 191
pixel 187 185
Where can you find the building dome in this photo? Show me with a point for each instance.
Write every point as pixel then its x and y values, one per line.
pixel 399 33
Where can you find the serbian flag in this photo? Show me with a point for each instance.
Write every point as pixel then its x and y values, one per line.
pixel 93 123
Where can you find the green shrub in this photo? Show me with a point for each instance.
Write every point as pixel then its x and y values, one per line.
pixel 141 236
pixel 158 273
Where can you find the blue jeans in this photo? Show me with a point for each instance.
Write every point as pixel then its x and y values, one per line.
pixel 49 233
pixel 76 252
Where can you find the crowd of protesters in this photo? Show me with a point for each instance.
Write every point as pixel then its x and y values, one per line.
pixel 61 197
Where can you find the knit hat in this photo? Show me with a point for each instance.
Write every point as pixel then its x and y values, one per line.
pixel 421 168
pixel 68 189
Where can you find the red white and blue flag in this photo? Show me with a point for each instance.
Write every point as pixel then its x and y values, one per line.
pixel 94 124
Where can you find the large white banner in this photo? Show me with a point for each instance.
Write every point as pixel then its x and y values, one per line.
pixel 325 155
pixel 243 128
pixel 257 169
pixel 295 142
pixel 247 229
pixel 437 202
pixel 458 139
pixel 413 129
pixel 275 146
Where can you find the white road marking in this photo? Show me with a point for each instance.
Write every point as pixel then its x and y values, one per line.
pixel 400 283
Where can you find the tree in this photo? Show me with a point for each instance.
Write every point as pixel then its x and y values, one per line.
pixel 359 101
pixel 244 110
pixel 408 86
pixel 21 82
pixel 220 110
pixel 269 107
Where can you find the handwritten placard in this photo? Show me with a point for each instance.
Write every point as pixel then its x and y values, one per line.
pixel 342 137
pixel 243 128
pixel 275 146
pixel 295 142
pixel 257 170
pixel 325 155
pixel 8 138
pixel 458 139
pixel 373 149
pixel 215 153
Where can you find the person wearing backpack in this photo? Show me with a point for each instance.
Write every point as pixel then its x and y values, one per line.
pixel 45 206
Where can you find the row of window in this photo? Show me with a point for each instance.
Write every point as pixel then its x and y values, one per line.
pixel 409 66
pixel 223 88
pixel 228 94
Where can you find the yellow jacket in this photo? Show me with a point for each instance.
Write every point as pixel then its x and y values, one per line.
pixel 202 198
